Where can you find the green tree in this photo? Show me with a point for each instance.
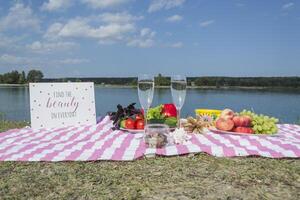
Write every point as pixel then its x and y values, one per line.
pixel 34 76
pixel 161 80
pixel 11 77
pixel 22 78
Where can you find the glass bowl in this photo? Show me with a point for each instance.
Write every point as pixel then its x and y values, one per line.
pixel 156 135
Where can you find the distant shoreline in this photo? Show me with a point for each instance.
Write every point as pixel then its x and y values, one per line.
pixel 166 87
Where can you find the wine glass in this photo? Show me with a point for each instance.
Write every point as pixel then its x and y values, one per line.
pixel 178 89
pixel 145 92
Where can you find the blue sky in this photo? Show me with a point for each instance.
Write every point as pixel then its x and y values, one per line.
pixel 128 37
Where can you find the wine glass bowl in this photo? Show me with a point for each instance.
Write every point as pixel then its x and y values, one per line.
pixel 145 92
pixel 178 90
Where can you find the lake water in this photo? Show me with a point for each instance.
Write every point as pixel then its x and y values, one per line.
pixel 285 105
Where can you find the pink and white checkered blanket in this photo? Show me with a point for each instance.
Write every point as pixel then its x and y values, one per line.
pixel 99 142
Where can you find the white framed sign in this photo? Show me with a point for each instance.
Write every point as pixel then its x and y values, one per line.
pixel 61 104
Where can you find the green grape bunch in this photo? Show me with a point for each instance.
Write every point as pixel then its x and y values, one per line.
pixel 262 124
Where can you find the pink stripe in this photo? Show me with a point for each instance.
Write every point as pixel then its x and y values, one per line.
pixel 204 148
pixel 72 139
pixel 50 156
pixel 8 132
pixel 98 153
pixel 45 134
pixel 18 135
pixel 273 153
pixel 119 152
pixel 182 149
pixel 21 139
pixel 227 151
pixel 29 146
pixel 236 143
pixel 287 147
pixel 48 147
pixel 76 154
pixel 287 144
pixel 140 151
pixel 161 151
pixel 290 130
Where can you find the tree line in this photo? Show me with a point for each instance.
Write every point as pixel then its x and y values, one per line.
pixel 15 77
pixel 218 82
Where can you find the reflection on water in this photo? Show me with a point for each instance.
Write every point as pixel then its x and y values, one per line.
pixel 284 104
pixel 14 103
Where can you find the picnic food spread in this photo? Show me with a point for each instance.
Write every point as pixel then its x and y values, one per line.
pixel 245 122
pixel 131 118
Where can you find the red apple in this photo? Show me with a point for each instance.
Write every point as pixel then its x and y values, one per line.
pixel 246 121
pixel 243 130
pixel 237 120
pixel 224 124
pixel 243 121
pixel 227 114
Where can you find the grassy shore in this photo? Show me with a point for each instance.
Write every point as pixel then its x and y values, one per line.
pixel 185 177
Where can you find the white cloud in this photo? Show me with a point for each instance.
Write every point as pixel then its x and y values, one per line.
pixel 177 45
pixel 122 17
pixel 20 16
pixel 147 32
pixel 288 6
pixel 157 5
pixel 206 23
pixel 73 61
pixel 80 28
pixel 103 3
pixel 12 59
pixel 107 28
pixel 53 30
pixel 174 18
pixel 20 60
pixel 44 47
pixel 142 43
pixel 9 42
pixel 53 5
pixel 143 40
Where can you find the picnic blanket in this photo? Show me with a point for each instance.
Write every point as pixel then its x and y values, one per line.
pixel 100 142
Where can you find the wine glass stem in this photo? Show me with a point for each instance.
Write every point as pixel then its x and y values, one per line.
pixel 178 117
pixel 145 117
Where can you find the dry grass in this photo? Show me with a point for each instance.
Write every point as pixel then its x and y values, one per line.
pixel 184 177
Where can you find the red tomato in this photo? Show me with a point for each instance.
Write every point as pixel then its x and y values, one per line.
pixel 139 124
pixel 130 123
pixel 169 110
pixel 139 116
